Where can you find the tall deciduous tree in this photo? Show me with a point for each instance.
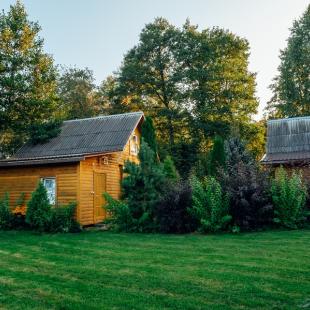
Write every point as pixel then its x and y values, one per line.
pixel 148 78
pixel 77 94
pixel 27 78
pixel 219 86
pixel 194 84
pixel 291 87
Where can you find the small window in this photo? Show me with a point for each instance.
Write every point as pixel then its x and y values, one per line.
pixel 50 185
pixel 134 145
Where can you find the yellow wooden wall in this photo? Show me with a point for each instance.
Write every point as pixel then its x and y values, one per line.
pixel 15 180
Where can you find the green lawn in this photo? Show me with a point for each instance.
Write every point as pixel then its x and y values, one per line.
pixel 100 270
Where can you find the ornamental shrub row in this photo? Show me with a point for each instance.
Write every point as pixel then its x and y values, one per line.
pixel 40 216
pixel 237 196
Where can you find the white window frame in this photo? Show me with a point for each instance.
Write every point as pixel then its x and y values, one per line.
pixel 51 196
pixel 134 145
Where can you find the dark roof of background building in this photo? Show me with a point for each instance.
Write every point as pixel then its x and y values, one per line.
pixel 97 135
pixel 288 140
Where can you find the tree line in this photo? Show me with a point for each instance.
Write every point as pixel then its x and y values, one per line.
pixel 195 84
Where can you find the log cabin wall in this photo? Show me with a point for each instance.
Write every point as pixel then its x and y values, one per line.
pixel 17 180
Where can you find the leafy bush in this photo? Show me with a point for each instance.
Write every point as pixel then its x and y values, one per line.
pixel 62 219
pixel 119 215
pixel 38 213
pixel 6 215
pixel 289 199
pixel 210 205
pixel 247 187
pixel 172 209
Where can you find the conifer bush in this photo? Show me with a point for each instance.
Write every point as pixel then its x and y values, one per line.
pixel 217 158
pixel 38 213
pixel 142 188
pixel 6 215
pixel 289 198
pixel 148 134
pixel 170 170
pixel 210 205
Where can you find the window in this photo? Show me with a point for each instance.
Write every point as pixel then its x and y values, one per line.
pixel 50 185
pixel 134 145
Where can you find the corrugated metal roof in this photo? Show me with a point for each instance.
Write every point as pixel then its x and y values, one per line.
pixel 101 134
pixel 288 140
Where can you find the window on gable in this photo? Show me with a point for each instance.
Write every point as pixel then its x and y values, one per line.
pixel 50 186
pixel 134 147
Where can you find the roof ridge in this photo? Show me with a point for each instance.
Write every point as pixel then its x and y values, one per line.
pixel 287 119
pixel 104 116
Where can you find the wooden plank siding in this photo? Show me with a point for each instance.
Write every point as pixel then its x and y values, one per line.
pixel 16 180
pixel 111 165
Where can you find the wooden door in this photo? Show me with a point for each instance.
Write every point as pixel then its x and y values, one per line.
pixel 99 189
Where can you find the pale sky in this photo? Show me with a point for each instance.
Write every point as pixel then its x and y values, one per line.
pixel 97 33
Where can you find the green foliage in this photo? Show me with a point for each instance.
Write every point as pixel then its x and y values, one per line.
pixel 41 133
pixel 27 78
pixel 255 136
pixel 217 156
pixel 210 205
pixel 291 87
pixel 172 210
pixel 142 187
pixel 148 133
pixel 147 79
pixel 247 187
pixel 6 215
pixel 169 169
pixel 184 154
pixel 62 219
pixel 120 217
pixel 220 86
pixel 173 68
pixel 77 93
pixel 38 214
pixel 289 198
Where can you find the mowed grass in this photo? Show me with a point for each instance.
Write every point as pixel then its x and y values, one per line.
pixel 102 270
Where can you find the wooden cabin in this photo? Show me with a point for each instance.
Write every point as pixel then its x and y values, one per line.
pixel 288 144
pixel 83 161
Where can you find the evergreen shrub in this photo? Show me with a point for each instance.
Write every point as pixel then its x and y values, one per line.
pixel 6 215
pixel 38 213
